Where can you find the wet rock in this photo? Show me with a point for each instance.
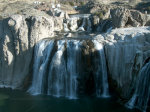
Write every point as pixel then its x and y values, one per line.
pixel 126 50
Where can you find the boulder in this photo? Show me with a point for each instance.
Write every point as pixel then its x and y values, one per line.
pixel 58 23
pixel 122 17
pixel 93 7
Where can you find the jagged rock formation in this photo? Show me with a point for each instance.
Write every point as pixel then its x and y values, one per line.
pixel 122 17
pixel 93 7
pixel 18 35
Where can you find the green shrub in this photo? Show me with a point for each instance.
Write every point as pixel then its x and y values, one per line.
pixel 99 14
pixel 81 3
pixel 71 3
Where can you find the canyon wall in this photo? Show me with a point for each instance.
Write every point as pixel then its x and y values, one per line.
pixel 18 35
pixel 126 51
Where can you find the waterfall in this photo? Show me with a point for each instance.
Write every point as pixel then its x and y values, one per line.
pixel 73 24
pixel 57 72
pixel 89 25
pixel 101 73
pixel 57 68
pixel 102 25
pixel 62 74
pixel 62 80
pixel 79 22
pixel 81 28
pixel 41 57
pixel 72 61
pixel 141 95
pixel 66 27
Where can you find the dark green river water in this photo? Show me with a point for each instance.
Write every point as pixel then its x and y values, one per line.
pixel 17 101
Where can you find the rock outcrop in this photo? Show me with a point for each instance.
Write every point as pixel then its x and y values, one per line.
pixel 58 24
pixel 122 17
pixel 127 50
pixel 93 7
pixel 18 35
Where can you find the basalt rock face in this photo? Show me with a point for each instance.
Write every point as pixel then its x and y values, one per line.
pixel 18 35
pixel 58 24
pixel 93 7
pixel 122 17
pixel 127 50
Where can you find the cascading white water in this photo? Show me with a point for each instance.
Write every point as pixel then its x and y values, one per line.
pixel 142 93
pixel 62 75
pixel 66 27
pixel 101 26
pixel 72 23
pixel 57 72
pixel 57 68
pixel 73 52
pixel 101 86
pixel 41 57
pixel 89 25
pixel 81 28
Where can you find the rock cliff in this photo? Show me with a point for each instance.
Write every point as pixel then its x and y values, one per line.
pixel 122 17
pixel 126 51
pixel 18 35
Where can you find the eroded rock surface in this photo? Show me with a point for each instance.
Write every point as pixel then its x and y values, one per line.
pixel 122 17
pixel 127 50
pixel 18 35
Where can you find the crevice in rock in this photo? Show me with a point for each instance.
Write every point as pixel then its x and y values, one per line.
pixel 29 22
pixel 12 39
pixel 147 60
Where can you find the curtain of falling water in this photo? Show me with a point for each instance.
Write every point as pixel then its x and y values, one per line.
pixel 101 73
pixel 141 96
pixel 73 52
pixel 59 74
pixel 41 57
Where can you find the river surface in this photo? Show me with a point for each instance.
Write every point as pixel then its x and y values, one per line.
pixel 17 101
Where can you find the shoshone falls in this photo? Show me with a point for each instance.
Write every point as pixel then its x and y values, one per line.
pixel 50 64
